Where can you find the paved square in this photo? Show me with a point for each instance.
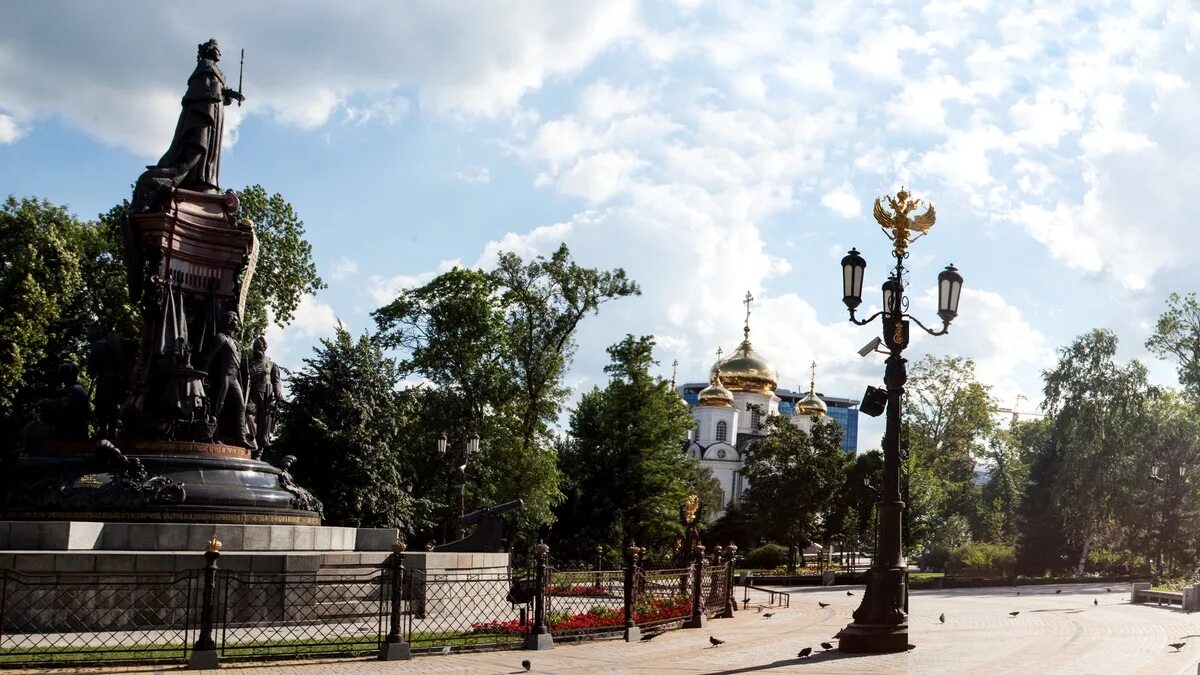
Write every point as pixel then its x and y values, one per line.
pixel 1054 633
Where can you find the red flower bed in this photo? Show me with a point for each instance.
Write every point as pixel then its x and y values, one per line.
pixel 577 591
pixel 656 609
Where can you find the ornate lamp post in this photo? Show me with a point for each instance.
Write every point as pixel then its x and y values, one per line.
pixel 880 622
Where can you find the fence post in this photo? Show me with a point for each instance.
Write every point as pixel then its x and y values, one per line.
pixel 539 636
pixel 394 647
pixel 730 601
pixel 204 651
pixel 632 632
pixel 697 619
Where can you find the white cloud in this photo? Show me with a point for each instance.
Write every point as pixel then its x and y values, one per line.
pixel 843 201
pixel 343 268
pixel 598 177
pixel 9 131
pixel 300 69
pixel 473 174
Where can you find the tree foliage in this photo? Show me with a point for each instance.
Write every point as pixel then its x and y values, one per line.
pixel 625 470
pixel 495 346
pixel 344 422
pixel 285 270
pixel 794 478
pixel 1177 338
pixel 1097 405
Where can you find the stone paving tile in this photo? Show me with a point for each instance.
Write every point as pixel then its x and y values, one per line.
pixel 1054 633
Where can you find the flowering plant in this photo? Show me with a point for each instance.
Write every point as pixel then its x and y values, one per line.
pixel 654 609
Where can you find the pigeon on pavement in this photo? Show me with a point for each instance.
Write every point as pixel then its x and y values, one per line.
pixel 715 642
pixel 1108 590
pixel 1095 602
pixel 1058 591
pixel 526 664
pixel 822 605
pixel 942 617
pixel 446 649
pixel 650 636
pixel 768 615
pixel 849 593
pixel 826 646
pixel 804 653
pixel 1177 645
pixel 1013 613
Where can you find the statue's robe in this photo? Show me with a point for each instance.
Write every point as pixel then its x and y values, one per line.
pixel 198 133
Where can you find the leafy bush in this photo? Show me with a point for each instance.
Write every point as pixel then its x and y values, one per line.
pixel 767 556
pixel 979 555
pixel 1110 561
pixel 935 559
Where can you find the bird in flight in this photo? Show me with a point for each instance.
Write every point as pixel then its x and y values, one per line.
pixel 826 646
pixel 804 653
pixel 715 642
pixel 942 617
pixel 526 664
pixel 1013 613
pixel 1177 645
pixel 823 605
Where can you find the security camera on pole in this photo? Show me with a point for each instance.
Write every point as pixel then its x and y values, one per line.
pixel 881 622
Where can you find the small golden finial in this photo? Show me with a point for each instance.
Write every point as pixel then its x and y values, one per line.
pixel 746 301
pixel 214 544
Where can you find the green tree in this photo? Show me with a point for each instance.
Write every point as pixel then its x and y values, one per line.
pixel 793 479
pixel 1177 338
pixel 625 468
pixel 343 422
pixel 285 270
pixel 544 301
pixel 496 345
pixel 1098 406
pixel 1042 543
pixel 1168 495
pixel 947 424
pixel 1001 494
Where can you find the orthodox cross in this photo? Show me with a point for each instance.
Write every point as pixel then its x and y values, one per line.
pixel 749 299
pixel 812 383
pixel 674 369
pixel 719 353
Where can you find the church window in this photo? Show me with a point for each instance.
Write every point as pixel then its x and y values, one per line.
pixel 756 420
pixel 722 432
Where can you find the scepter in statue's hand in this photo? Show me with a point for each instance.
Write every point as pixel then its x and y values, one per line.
pixel 241 68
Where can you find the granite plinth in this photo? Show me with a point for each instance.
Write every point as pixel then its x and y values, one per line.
pixel 74 535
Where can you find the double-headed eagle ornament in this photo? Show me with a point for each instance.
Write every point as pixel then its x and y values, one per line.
pixel 902 227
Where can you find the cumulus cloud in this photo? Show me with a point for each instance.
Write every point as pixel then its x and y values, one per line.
pixel 302 65
pixel 473 174
pixel 9 131
pixel 843 201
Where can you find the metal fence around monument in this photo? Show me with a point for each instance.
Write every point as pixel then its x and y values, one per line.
pixel 267 615
pixel 81 618
pixel 714 588
pixel 464 609
pixel 662 597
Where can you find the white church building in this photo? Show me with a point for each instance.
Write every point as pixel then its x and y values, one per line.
pixel 725 424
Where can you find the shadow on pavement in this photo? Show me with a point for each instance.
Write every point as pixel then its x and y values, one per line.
pixel 816 657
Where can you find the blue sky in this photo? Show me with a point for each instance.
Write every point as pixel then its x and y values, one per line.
pixel 708 148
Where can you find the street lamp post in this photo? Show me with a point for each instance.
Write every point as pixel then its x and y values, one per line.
pixel 470 448
pixel 880 622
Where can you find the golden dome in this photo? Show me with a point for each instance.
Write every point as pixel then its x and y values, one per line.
pixel 715 394
pixel 812 405
pixel 746 370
